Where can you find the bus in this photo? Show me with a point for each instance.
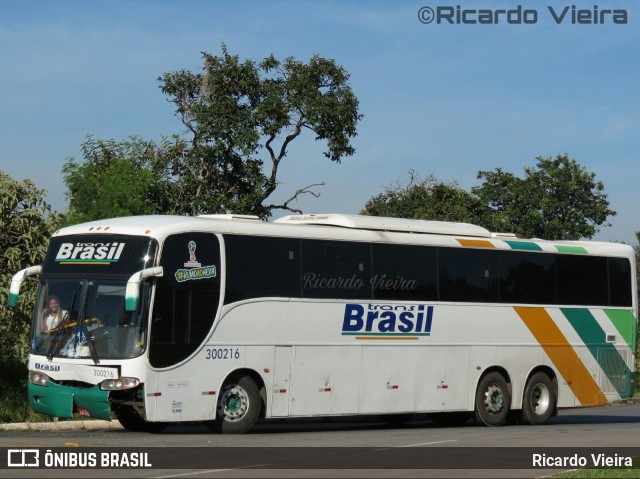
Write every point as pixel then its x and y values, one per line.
pixel 227 320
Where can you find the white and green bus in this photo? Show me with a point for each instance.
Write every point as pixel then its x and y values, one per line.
pixel 226 320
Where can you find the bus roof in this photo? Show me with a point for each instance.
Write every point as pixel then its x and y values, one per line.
pixel 342 227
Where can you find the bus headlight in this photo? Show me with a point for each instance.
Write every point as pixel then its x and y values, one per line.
pixel 36 377
pixel 119 384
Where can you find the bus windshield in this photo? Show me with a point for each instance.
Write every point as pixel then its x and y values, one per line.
pixel 86 318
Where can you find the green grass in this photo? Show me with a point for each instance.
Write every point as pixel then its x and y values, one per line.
pixel 14 402
pixel 613 472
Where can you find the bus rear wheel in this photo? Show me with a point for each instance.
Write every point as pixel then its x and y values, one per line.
pixel 493 400
pixel 539 399
pixel 238 407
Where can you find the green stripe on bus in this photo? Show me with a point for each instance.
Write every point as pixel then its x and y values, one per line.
pixel 570 249
pixel 604 353
pixel 13 300
pixel 524 245
pixel 626 323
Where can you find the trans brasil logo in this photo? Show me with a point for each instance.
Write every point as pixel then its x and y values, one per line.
pixel 387 321
pixel 89 253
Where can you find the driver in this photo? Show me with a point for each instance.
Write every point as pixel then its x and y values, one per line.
pixel 51 316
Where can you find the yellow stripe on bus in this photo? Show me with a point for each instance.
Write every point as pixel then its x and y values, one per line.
pixel 394 338
pixel 475 243
pixel 562 354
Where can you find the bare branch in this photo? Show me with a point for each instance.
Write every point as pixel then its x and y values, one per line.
pixel 268 146
pixel 276 160
pixel 301 191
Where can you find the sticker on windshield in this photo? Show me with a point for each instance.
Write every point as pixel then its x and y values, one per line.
pixel 204 272
pixel 196 270
pixel 193 261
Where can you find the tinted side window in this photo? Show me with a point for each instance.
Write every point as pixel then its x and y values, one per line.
pixel 582 280
pixel 186 297
pixel 527 278
pixel 259 267
pixel 336 269
pixel 404 273
pixel 467 275
pixel 619 282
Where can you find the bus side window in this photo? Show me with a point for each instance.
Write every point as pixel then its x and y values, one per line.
pixel 404 272
pixel 261 267
pixel 468 275
pixel 186 297
pixel 336 269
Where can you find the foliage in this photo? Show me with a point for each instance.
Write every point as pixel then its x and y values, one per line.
pixel 427 199
pixel 240 118
pixel 234 111
pixel 606 472
pixel 26 222
pixel 557 199
pixel 14 403
pixel 117 179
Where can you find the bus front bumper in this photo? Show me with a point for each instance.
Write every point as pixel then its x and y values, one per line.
pixel 62 401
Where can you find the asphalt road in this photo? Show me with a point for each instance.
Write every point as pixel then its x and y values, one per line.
pixel 465 451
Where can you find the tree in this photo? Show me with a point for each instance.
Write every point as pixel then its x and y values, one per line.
pixel 236 111
pixel 557 199
pixel 26 222
pixel 118 179
pixel 240 120
pixel 427 199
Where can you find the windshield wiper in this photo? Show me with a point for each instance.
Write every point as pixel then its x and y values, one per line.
pixel 89 336
pixel 91 342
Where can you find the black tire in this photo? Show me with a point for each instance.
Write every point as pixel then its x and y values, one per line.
pixel 493 400
pixel 132 421
pixel 238 406
pixel 539 401
pixel 457 418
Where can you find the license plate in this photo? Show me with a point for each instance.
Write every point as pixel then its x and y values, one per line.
pixel 84 412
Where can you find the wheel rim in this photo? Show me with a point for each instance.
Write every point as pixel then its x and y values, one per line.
pixel 493 399
pixel 234 403
pixel 540 399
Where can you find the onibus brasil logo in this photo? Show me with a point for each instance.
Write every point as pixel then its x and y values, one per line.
pixel 387 321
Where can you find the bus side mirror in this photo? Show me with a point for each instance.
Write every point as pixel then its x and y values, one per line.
pixel 16 282
pixel 132 293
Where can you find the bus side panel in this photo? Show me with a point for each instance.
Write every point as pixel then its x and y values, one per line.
pixel 150 400
pixel 442 378
pixel 388 379
pixel 279 395
pixel 324 380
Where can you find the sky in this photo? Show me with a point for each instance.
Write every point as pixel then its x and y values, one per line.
pixel 442 99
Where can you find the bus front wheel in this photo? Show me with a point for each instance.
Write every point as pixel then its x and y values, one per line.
pixel 539 399
pixel 133 422
pixel 493 400
pixel 238 406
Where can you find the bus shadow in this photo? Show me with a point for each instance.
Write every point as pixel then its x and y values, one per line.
pixel 594 419
pixel 287 426
pixel 363 424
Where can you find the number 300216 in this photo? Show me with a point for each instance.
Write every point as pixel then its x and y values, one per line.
pixel 222 353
